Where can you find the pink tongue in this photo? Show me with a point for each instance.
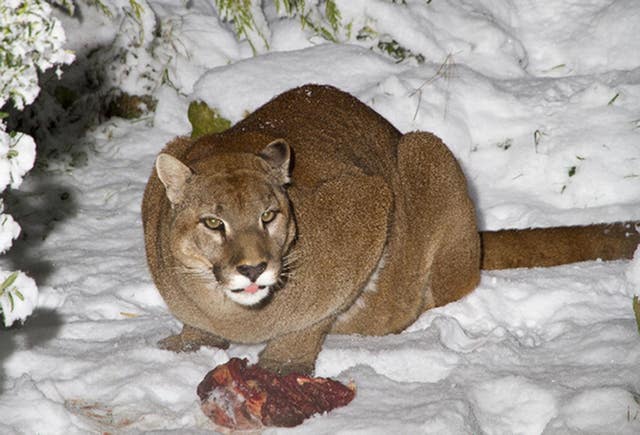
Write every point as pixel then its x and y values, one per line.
pixel 252 288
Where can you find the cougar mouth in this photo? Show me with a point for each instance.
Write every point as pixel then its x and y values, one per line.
pixel 240 290
pixel 251 295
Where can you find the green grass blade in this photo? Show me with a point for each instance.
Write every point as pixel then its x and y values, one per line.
pixel 7 282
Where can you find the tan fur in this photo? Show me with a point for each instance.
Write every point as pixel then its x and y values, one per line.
pixel 380 227
pixel 544 247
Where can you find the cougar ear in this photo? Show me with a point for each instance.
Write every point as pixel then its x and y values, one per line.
pixel 278 155
pixel 174 175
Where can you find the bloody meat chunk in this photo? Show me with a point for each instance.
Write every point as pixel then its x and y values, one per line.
pixel 239 396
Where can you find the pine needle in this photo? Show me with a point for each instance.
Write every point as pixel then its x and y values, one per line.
pixel 7 282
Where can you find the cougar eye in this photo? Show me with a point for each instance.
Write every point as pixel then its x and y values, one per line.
pixel 268 216
pixel 213 223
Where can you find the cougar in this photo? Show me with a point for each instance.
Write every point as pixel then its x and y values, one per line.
pixel 314 215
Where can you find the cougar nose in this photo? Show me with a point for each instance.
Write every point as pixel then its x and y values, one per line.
pixel 252 272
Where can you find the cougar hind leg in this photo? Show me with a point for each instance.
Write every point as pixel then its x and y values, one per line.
pixel 441 217
pixel 432 254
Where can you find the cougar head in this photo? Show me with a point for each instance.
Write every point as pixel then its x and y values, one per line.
pixel 232 224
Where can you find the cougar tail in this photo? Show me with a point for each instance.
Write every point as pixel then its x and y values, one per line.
pixel 543 247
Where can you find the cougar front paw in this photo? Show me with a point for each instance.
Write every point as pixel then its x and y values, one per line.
pixel 284 368
pixel 191 339
pixel 175 343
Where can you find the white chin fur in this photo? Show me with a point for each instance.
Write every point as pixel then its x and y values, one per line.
pixel 248 299
pixel 266 280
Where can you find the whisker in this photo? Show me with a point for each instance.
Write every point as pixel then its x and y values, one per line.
pixel 198 274
pixel 291 258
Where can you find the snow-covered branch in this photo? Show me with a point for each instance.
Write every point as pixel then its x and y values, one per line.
pixel 31 40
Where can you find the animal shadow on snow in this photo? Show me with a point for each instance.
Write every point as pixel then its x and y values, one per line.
pixel 38 210
pixel 40 327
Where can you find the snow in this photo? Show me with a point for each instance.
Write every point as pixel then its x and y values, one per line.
pixel 633 271
pixel 525 96
pixel 528 410
pixel 16 159
pixel 19 296
pixel 9 231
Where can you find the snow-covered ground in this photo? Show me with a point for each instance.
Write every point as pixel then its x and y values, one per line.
pixel 540 101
